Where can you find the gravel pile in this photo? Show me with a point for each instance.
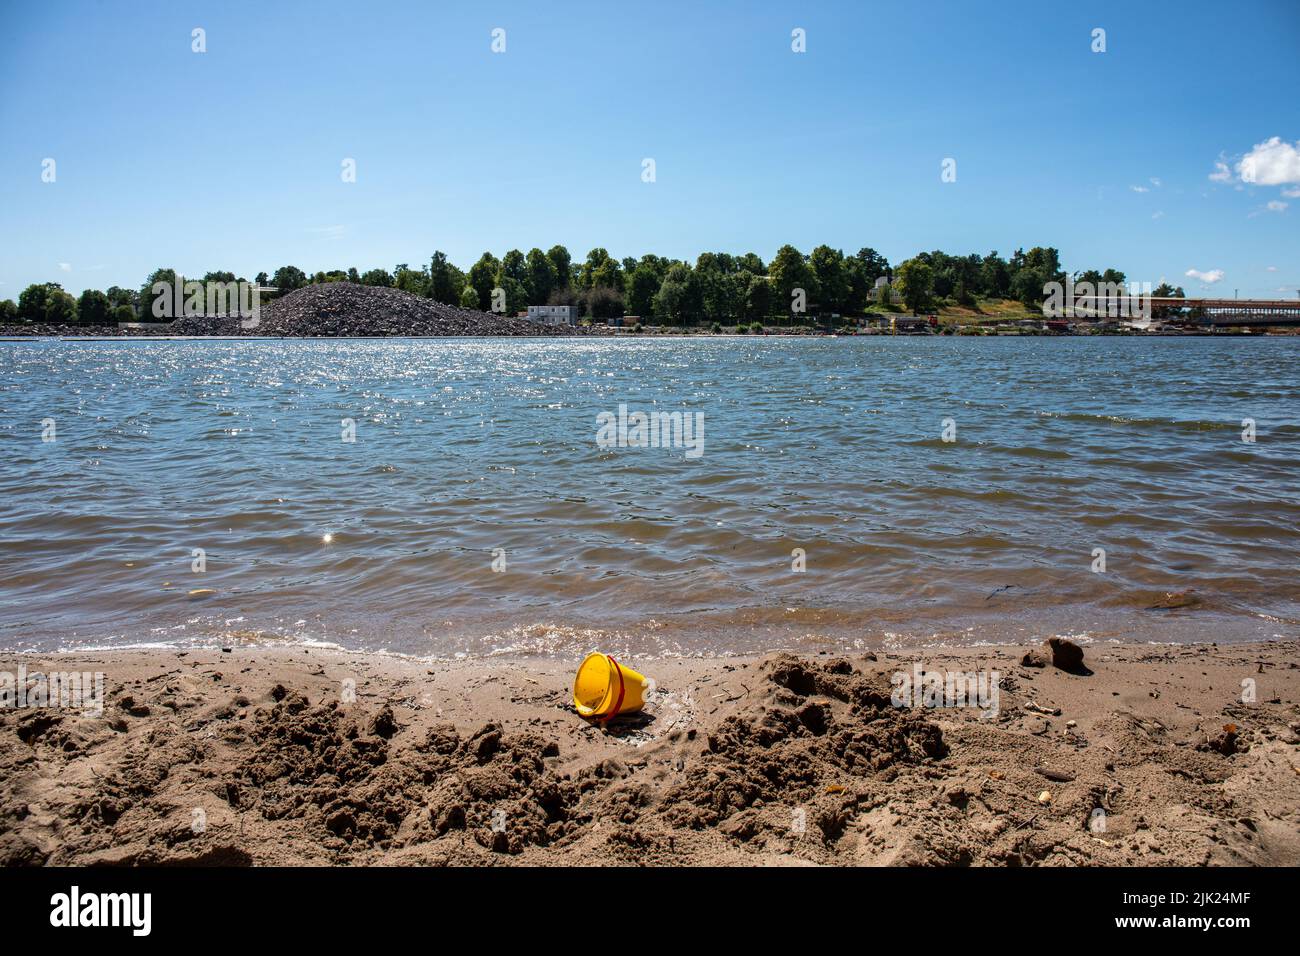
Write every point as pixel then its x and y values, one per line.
pixel 337 309
pixel 14 331
pixel 344 308
pixel 203 325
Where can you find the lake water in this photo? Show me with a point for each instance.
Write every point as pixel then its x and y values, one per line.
pixel 474 452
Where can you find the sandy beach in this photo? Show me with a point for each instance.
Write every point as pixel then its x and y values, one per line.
pixel 1150 755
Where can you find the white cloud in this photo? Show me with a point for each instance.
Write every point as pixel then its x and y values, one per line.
pixel 1272 268
pixel 1221 174
pixel 1271 163
pixel 1292 192
pixel 1158 214
pixel 65 266
pixel 328 232
pixel 1211 277
pixel 1155 181
pixel 1140 189
pixel 1277 205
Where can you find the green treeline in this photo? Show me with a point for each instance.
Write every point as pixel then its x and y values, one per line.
pixel 718 288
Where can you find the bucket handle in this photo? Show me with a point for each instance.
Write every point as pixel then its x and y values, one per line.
pixel 618 703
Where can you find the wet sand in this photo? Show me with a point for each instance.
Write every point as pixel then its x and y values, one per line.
pixel 312 756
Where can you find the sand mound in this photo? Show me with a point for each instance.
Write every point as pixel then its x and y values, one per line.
pixel 333 771
pixel 799 745
pixel 811 744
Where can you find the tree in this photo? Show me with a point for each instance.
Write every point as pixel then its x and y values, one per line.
pixel 563 263
pixel 148 300
pixel 483 276
pixel 609 275
pixel 468 297
pixel 93 308
pixel 915 282
pixel 758 298
pixel 288 278
pixel 31 301
pixel 656 264
pixel 541 277
pixel 943 269
pixel 516 294
pixel 715 262
pixel 1046 258
pixel 722 294
pixel 790 271
pixel 446 282
pixel 378 277
pixel 968 270
pixel 995 276
pixel 963 293
pixel 587 271
pixel 117 296
pixel 515 266
pixel 600 270
pixel 863 270
pixel 1031 271
pixel 642 285
pixel 1027 286
pixel 1166 291
pixel 708 281
pixel 672 301
pixel 8 312
pixel 827 265
pixel 737 295
pixel 604 302
pixel 123 313
pixel 566 296
pixel 60 307
pixel 409 280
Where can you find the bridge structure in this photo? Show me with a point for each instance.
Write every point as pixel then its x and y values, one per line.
pixel 1203 312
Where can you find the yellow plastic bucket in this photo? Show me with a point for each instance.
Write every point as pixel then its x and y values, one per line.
pixel 604 688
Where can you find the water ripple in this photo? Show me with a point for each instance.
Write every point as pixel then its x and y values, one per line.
pixel 468 451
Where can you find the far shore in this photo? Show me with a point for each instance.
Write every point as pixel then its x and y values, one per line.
pixel 1147 755
pixel 103 335
pixel 349 310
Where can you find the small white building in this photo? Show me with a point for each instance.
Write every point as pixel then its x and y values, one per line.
pixel 553 314
pixel 883 290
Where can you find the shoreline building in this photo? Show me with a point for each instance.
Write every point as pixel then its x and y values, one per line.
pixel 553 314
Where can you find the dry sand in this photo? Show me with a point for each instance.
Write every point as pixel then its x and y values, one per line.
pixel 258 756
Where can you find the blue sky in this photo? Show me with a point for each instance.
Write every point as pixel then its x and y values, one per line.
pixel 231 159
